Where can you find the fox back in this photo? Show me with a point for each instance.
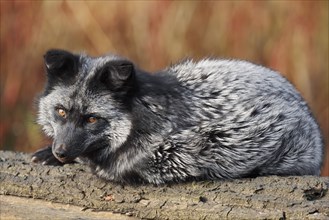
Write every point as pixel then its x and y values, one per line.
pixel 212 119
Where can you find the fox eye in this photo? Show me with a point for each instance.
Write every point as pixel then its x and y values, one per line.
pixel 91 119
pixel 61 112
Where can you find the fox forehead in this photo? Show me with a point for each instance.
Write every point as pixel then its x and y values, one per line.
pixel 79 98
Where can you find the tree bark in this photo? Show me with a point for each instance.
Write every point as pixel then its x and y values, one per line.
pixel 273 197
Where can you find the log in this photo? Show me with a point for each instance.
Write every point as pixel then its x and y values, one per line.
pixel 13 207
pixel 272 197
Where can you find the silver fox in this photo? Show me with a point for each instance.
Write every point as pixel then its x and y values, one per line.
pixel 212 119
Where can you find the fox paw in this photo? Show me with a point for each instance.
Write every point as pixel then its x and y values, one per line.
pixel 45 157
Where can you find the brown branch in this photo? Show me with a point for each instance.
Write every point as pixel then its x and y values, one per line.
pixel 263 197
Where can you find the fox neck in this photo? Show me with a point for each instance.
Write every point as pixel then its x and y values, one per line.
pixel 159 104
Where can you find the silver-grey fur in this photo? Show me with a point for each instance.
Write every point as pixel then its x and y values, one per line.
pixel 212 119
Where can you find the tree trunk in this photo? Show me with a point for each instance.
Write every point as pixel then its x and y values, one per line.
pixel 303 197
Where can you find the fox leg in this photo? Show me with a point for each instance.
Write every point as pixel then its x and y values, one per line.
pixel 46 157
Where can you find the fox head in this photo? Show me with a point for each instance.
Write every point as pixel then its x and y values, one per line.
pixel 85 105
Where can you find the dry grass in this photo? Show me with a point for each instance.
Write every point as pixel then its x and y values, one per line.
pixel 288 36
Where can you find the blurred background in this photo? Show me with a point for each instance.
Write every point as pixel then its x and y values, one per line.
pixel 288 36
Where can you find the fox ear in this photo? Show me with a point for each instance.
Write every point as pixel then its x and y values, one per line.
pixel 61 65
pixel 117 75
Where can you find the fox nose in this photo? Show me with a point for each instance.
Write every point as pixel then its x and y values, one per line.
pixel 61 151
